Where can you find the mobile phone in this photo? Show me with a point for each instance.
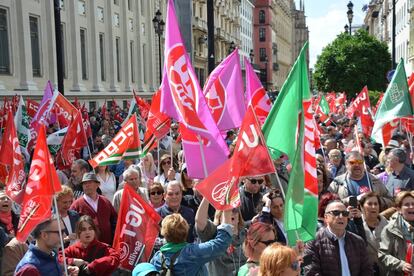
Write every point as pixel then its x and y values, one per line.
pixel 353 201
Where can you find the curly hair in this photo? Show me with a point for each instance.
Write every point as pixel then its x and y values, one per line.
pixel 174 228
pixel 276 258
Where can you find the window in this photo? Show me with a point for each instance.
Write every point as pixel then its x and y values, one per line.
pixel 100 14
pixel 262 54
pixel 118 59
pixel 81 7
pixel 131 24
pixel 102 55
pixel 83 54
pixel 116 20
pixel 4 43
pixel 92 105
pixel 131 50
pixel 34 39
pixel 262 34
pixel 262 17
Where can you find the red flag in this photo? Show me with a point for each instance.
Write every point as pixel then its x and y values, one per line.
pixel 76 103
pixel 11 158
pixel 136 229
pixel 388 129
pixel 311 144
pixel 86 124
pixel 378 104
pixel 74 139
pixel 250 158
pixel 32 107
pixel 64 110
pixel 144 107
pixel 42 184
pixel 103 111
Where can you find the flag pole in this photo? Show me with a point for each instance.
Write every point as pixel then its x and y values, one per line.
pixel 363 158
pixel 280 185
pixel 61 236
pixel 203 159
pixel 158 156
pixel 171 149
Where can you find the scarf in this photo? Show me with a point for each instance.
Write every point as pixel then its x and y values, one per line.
pixel 172 247
pixel 6 219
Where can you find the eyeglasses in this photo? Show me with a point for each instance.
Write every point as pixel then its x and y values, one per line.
pixel 156 193
pixel 356 162
pixel 336 213
pixel 166 162
pixel 56 232
pixel 268 242
pixel 295 265
pixel 254 181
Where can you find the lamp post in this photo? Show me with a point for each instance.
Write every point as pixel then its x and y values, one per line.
pixel 350 14
pixel 346 27
pixel 251 55
pixel 159 29
pixel 232 47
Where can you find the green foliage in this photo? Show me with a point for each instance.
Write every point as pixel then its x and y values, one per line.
pixel 374 96
pixel 351 62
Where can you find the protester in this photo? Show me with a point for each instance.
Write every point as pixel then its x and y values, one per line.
pixel 96 206
pixel 251 197
pixel 156 195
pixel 78 169
pixel 69 218
pixel 323 183
pixel 8 218
pixel 336 165
pixel 402 177
pixel 356 180
pixel 258 236
pixel 173 196
pixel 374 224
pixel 148 169
pixel 190 259
pixel 187 182
pixel 90 255
pixel 13 252
pixel 336 251
pixel 230 262
pixel 145 269
pixel 167 172
pixel 396 237
pixel 279 260
pixel 108 182
pixel 41 258
pixel 132 177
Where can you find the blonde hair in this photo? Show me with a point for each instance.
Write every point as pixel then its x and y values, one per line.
pixel 401 196
pixel 276 258
pixel 66 190
pixel 174 228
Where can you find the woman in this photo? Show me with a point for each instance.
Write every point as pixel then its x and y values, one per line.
pixel 156 195
pixel 323 183
pixel 185 258
pixel 69 217
pixel 374 223
pixel 258 236
pixel 108 182
pixel 8 219
pixel 229 263
pixel 279 260
pixel 397 234
pixel 187 182
pixel 167 172
pixel 90 255
pixel 148 169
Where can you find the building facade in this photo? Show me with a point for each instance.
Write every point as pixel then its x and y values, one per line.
pixel 301 31
pixel 246 32
pixel 108 48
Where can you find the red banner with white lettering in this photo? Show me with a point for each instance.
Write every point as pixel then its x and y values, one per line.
pixel 136 229
pixel 32 107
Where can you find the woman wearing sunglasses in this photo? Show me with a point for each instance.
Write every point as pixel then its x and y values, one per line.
pixel 397 238
pixel 156 195
pixel 279 260
pixel 167 172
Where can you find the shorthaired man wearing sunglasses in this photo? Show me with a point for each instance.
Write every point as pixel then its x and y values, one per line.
pixel 251 197
pixel 357 181
pixel 336 251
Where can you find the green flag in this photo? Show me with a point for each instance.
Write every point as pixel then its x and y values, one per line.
pixel 22 123
pixel 323 103
pixel 284 133
pixel 396 103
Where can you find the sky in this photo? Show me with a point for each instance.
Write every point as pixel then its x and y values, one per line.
pixel 326 19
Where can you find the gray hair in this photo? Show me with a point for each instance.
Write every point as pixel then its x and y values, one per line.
pixel 81 164
pixel 130 171
pixel 400 153
pixel 353 153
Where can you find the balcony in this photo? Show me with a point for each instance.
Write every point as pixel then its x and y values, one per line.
pixel 199 23
pixel 275 66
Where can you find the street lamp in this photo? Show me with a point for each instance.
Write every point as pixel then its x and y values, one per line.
pixel 159 29
pixel 251 55
pixel 346 27
pixel 350 14
pixel 232 47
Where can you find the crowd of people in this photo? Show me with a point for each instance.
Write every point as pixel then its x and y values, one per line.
pixel 365 214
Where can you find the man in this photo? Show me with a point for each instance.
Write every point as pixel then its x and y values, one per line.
pixel 336 164
pixel 41 258
pixel 77 170
pixel 355 181
pixel 336 251
pixel 370 160
pixel 98 207
pixel 250 197
pixel 132 178
pixel 402 177
pixel 173 196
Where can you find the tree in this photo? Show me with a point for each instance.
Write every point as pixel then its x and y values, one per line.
pixel 352 61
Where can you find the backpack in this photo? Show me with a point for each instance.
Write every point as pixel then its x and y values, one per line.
pixel 168 270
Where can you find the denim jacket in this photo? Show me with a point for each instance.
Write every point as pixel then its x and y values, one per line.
pixel 193 257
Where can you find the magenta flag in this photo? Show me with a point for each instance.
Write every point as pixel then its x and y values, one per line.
pixel 256 94
pixel 224 93
pixel 42 115
pixel 183 100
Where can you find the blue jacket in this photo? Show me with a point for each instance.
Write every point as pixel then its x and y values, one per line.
pixel 193 257
pixel 45 263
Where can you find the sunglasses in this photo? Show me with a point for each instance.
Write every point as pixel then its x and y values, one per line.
pixel 254 181
pixel 356 162
pixel 295 265
pixel 269 242
pixel 166 162
pixel 336 213
pixel 156 193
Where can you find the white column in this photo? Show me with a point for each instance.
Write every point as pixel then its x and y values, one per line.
pixel 94 56
pixel 74 56
pixel 125 65
pixel 110 49
pixel 48 41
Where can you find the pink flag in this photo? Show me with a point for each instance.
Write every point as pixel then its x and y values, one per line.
pixel 256 94
pixel 224 93
pixel 43 114
pixel 183 100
